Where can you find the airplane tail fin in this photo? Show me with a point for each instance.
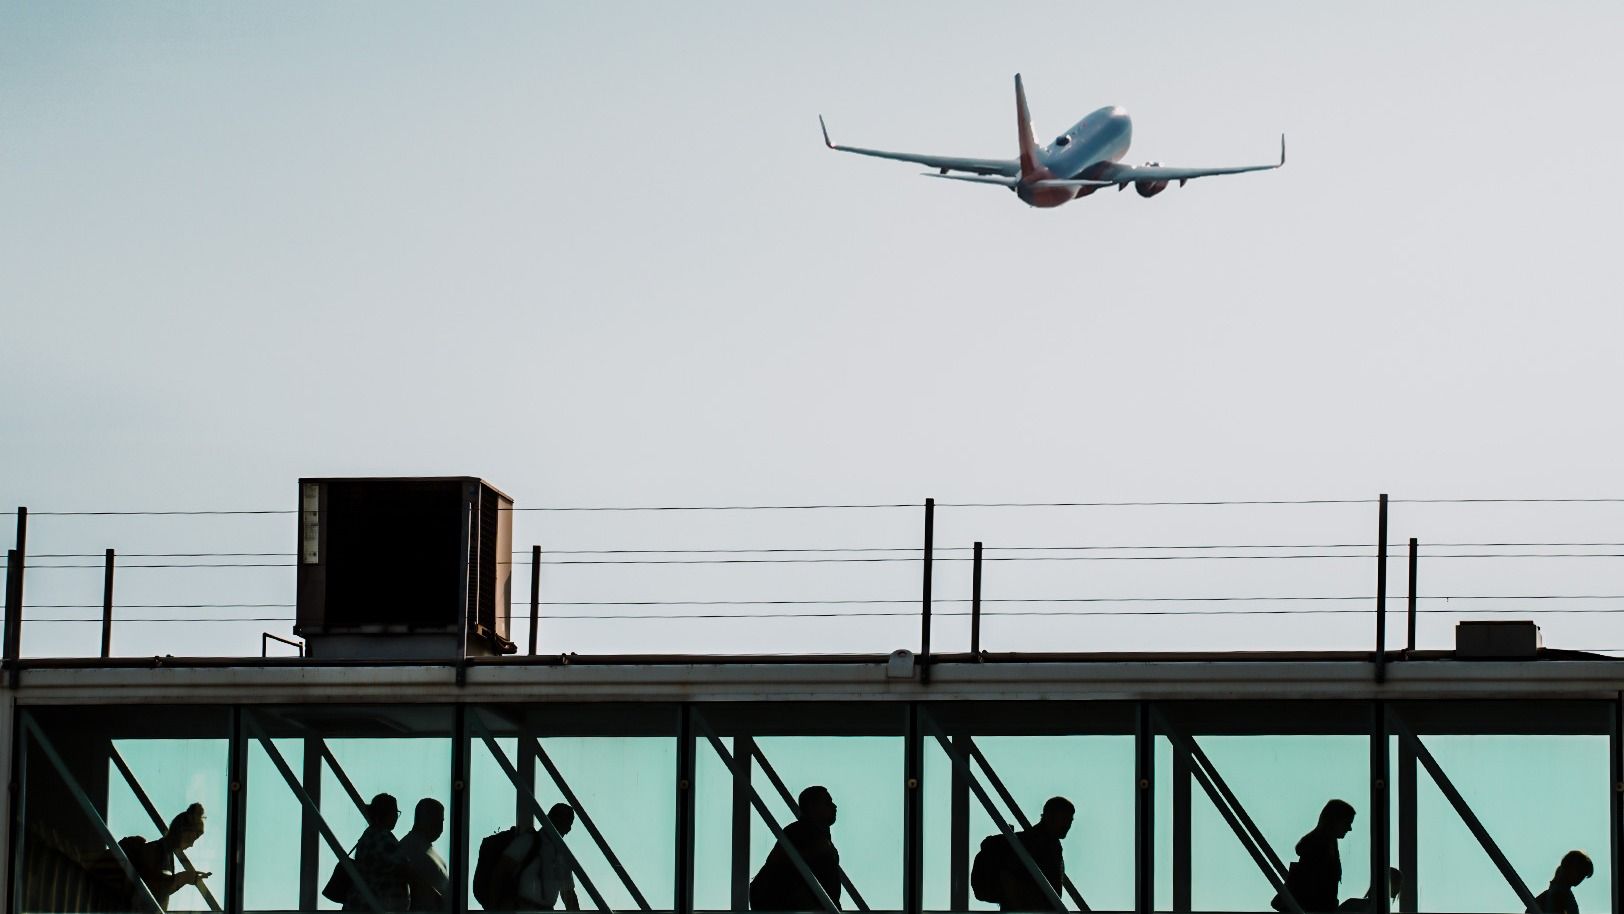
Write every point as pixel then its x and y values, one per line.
pixel 1023 124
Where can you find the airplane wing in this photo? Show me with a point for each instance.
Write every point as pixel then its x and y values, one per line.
pixel 943 164
pixel 1120 173
pixel 1014 182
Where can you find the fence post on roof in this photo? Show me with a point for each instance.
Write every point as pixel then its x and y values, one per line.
pixel 535 594
pixel 1381 591
pixel 924 606
pixel 1410 601
pixel 107 608
pixel 975 604
pixel 16 563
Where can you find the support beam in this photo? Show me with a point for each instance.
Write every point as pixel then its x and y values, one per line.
pixel 458 876
pixel 477 728
pixel 1462 808
pixel 924 603
pixel 236 811
pixel 958 889
pixel 790 850
pixel 107 605
pixel 913 811
pixel 357 881
pixel 1408 831
pixel 141 891
pixel 795 810
pixel 962 762
pixel 684 844
pixel 158 821
pixel 1381 803
pixel 1144 810
pixel 1615 808
pixel 309 834
pixel 1234 814
pixel 587 823
pixel 1381 591
pixel 1183 781
pixel 744 749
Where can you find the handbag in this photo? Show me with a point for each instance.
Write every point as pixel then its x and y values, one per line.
pixel 339 885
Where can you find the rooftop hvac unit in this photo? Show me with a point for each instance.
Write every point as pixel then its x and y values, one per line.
pixel 393 568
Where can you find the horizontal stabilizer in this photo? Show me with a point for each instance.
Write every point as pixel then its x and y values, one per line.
pixel 1012 182
pixel 999 180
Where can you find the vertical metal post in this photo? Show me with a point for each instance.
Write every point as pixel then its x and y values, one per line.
pixel 1410 601
pixel 1408 831
pixel 1182 845
pixel 1381 591
pixel 958 884
pixel 1615 745
pixel 684 894
pixel 461 740
pixel 14 613
pixel 16 819
pixel 924 607
pixel 1381 803
pixel 535 595
pixel 107 606
pixel 1144 813
pixel 309 831
pixel 975 613
pixel 526 763
pixel 236 812
pixel 744 761
pixel 913 811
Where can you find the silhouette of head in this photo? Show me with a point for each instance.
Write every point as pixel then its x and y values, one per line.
pixel 186 828
pixel 817 806
pixel 428 819
pixel 1574 868
pixel 1336 818
pixel 383 812
pixel 562 817
pixel 1057 816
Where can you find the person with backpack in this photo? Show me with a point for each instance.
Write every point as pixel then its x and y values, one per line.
pixel 779 885
pixel 999 875
pixel 377 859
pixel 534 870
pixel 1316 874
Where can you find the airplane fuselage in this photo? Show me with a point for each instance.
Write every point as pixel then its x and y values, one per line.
pixel 1098 139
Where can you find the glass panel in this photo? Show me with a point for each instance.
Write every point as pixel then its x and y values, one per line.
pixel 855 753
pixel 1035 758
pixel 121 765
pixel 619 764
pixel 397 760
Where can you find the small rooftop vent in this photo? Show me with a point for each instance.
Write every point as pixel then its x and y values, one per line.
pixel 1497 640
pixel 410 569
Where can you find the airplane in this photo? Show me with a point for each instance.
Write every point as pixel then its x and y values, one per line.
pixel 1079 162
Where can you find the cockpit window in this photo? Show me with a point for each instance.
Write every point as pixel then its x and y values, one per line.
pixel 1062 140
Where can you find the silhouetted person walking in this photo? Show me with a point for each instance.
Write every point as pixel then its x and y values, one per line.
pixel 1558 898
pixel 1314 877
pixel 779 886
pixel 154 861
pixel 377 858
pixel 1017 890
pixel 1395 884
pixel 541 866
pixel 427 877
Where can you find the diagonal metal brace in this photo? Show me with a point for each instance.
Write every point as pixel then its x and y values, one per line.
pixel 1462 809
pixel 591 827
pixel 547 825
pixel 1020 817
pixel 962 764
pixel 795 809
pixel 158 820
pixel 141 890
pixel 766 815
pixel 357 882
pixel 1250 836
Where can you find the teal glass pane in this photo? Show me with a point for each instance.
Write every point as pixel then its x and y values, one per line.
pixel 286 863
pixel 175 763
pixel 1537 796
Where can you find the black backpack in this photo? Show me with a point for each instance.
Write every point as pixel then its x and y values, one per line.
pixel 487 892
pixel 985 869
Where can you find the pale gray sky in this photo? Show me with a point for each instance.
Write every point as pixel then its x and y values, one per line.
pixel 598 255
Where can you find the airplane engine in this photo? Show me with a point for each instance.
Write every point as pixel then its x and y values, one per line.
pixel 1148 189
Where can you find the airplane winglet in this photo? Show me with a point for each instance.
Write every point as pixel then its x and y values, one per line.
pixel 825 127
pixel 1282 150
